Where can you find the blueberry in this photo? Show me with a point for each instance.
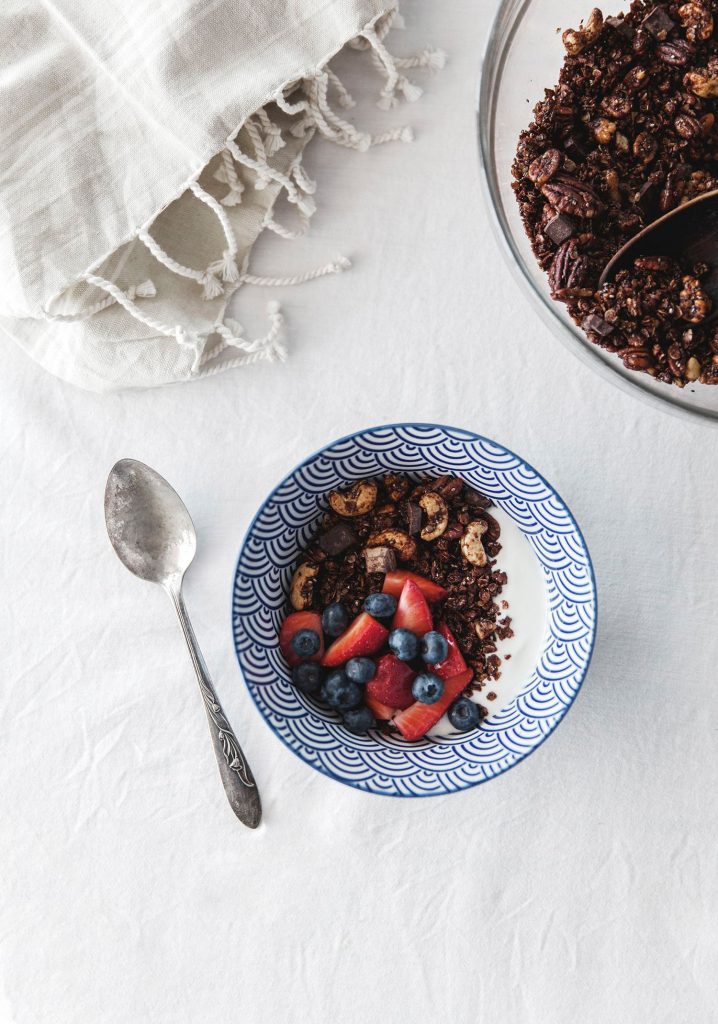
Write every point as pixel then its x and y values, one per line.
pixel 359 720
pixel 340 692
pixel 305 643
pixel 464 714
pixel 335 619
pixel 381 606
pixel 307 676
pixel 427 688
pixel 403 644
pixel 360 670
pixel 434 648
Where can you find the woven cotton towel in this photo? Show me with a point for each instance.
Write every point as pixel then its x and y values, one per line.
pixel 142 150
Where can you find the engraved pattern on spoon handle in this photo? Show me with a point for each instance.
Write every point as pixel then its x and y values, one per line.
pixel 234 770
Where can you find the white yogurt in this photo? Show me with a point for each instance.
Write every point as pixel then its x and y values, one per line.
pixel 525 593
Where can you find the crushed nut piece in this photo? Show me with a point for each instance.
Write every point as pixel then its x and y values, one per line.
pixel 437 515
pixel 693 369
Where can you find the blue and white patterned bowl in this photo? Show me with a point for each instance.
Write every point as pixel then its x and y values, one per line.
pixel 384 764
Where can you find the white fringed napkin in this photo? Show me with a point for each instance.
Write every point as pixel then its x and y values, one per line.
pixel 142 151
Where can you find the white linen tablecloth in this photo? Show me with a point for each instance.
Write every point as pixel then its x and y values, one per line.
pixel 581 886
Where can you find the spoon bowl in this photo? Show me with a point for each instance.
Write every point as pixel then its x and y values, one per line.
pixel 687 234
pixel 148 524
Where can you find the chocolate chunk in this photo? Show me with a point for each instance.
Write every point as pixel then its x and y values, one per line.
pixel 380 559
pixel 413 515
pixel 475 499
pixel 573 146
pixel 658 23
pixel 597 325
pixel 338 539
pixel 559 228
pixel 620 25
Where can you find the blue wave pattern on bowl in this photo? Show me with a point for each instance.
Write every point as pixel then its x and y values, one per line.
pixel 385 764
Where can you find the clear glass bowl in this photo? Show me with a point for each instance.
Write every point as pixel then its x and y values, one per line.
pixel 523 57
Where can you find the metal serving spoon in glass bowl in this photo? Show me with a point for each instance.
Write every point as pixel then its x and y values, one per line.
pixel 154 537
pixel 690 233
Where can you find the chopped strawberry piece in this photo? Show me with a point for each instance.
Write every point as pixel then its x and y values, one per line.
pixel 392 683
pixel 394 584
pixel 415 721
pixel 382 712
pixel 454 662
pixel 364 636
pixel 291 625
pixel 413 613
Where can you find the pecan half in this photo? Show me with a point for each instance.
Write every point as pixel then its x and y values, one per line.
pixel 675 52
pixel 687 126
pixel 636 358
pixel 645 147
pixel 616 105
pixel 635 79
pixel 568 269
pixel 543 168
pixel 569 195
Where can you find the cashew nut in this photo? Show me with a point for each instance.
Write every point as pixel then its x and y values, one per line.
pixel 357 501
pixel 437 515
pixel 472 547
pixel 402 543
pixel 302 589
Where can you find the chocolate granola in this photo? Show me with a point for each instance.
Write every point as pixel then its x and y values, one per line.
pixel 440 529
pixel 628 134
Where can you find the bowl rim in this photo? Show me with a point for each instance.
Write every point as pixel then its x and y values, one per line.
pixel 471 435
pixel 504 26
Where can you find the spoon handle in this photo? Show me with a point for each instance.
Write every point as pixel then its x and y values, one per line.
pixel 236 775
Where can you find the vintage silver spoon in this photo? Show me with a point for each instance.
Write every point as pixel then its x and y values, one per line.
pixel 154 537
pixel 690 233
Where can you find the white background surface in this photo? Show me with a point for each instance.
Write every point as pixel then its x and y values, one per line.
pixel 580 887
